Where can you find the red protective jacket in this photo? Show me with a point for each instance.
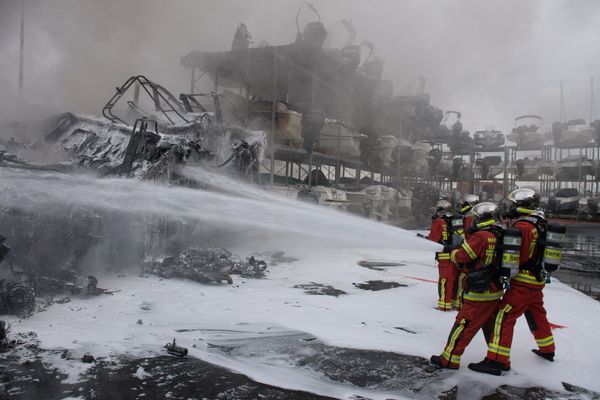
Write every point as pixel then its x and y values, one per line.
pixel 529 250
pixel 481 246
pixel 439 231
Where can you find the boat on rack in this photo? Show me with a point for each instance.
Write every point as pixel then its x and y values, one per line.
pixel 528 169
pixel 564 201
pixel 488 140
pixel 338 139
pixel 574 133
pixel 574 168
pixel 527 133
pixel 488 167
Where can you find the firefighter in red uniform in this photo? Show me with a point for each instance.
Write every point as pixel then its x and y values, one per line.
pixel 482 295
pixel 441 232
pixel 465 207
pixel 524 296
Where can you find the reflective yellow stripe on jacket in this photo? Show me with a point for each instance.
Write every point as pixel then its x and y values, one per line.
pixel 482 296
pixel 527 277
pixel 489 255
pixel 469 250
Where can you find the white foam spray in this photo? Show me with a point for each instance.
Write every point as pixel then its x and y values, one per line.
pixel 229 204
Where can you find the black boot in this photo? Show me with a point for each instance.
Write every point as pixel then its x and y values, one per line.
pixel 545 356
pixel 437 361
pixel 488 366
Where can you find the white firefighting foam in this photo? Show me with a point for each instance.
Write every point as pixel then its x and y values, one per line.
pixel 106 326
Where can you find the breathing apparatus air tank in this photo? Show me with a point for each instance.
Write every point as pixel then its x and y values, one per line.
pixel 553 245
pixel 511 253
pixel 458 230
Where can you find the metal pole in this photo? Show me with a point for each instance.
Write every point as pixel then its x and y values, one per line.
pixel 580 162
pixel 592 102
pixel 193 79
pixel 310 165
pixel 273 113
pixel 337 163
pixel 563 111
pixel 505 177
pixel 247 79
pixel 22 48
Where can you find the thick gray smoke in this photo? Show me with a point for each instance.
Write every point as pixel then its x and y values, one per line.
pixel 491 60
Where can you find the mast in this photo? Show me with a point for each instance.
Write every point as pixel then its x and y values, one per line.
pixel 563 112
pixel 22 47
pixel 592 101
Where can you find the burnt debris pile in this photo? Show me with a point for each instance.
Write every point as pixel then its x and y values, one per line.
pixel 208 266
pixel 145 133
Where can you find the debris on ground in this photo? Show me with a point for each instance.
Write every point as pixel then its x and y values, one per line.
pixel 507 392
pixel 175 350
pixel 88 358
pixel 28 377
pixel 16 298
pixel 379 265
pixel 402 328
pixel 52 286
pixel 319 289
pixel 579 390
pixel 378 285
pixel 206 266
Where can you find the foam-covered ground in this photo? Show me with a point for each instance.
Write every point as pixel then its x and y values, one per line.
pixel 273 330
pixel 205 318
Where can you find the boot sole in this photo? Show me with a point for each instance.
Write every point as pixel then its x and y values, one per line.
pixel 490 372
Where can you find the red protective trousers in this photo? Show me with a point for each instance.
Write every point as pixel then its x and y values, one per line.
pixel 448 275
pixel 473 315
pixel 518 300
pixel 447 270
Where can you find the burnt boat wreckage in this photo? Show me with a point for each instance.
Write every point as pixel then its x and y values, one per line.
pixel 145 143
pixel 149 137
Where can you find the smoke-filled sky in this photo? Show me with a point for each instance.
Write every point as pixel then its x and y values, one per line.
pixel 492 60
